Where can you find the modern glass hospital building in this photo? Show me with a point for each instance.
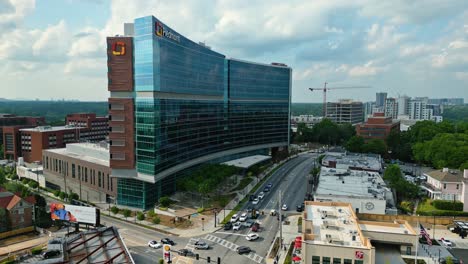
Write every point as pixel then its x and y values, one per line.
pixel 175 104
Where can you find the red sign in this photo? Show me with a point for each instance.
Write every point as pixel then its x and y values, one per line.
pixel 359 255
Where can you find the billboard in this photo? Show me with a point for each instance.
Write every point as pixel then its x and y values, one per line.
pixel 73 213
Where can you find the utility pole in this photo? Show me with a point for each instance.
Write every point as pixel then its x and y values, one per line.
pixel 280 219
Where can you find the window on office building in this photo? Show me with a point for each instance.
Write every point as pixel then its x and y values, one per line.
pixel 107 181
pixel 326 260
pixel 315 259
pixel 348 261
pixel 336 261
pixel 86 174
pixel 359 262
pixel 73 170
pixel 112 185
pixel 99 178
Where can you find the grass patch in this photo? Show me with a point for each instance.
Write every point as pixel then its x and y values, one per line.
pixel 244 182
pixel 425 207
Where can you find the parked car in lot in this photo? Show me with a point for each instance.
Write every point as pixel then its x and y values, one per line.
pixel 243 250
pixel 252 237
pixel 50 254
pixel 228 226
pixel 261 195
pixel 446 242
pixel 185 252
pixel 243 217
pixel 234 218
pixel 284 207
pixel 255 201
pixel 167 241
pixel 201 245
pixel 236 226
pixel 154 244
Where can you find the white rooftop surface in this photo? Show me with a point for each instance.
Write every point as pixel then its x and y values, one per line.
pixel 49 128
pixel 351 183
pixel 247 162
pixel 85 151
pixel 364 161
pixel 334 225
pixel 397 229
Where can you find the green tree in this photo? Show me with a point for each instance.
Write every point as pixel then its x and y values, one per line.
pixel 448 260
pixel 74 196
pixel 355 144
pixel 164 201
pixel 1 151
pixel 376 146
pixel 347 131
pixel 114 209
pixel 156 220
pixel 126 213
pixel 140 216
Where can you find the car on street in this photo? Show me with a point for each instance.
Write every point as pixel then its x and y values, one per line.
pixel 255 201
pixel 269 185
pixel 234 218
pixel 185 252
pixel 284 207
pixel 243 250
pixel 50 254
pixel 228 226
pixel 251 237
pixel 236 226
pixel 248 223
pixel 261 195
pixel 154 244
pixel 273 212
pixel 266 189
pixel 251 197
pixel 299 208
pixel 243 217
pixel 201 245
pixel 446 242
pixel 255 227
pixel 167 241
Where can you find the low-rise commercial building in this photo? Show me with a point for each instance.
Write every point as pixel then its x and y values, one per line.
pixel 332 233
pixel 82 168
pixel 366 191
pixel 352 161
pixel 378 126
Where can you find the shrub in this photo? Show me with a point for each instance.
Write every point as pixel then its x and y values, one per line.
pixel 156 220
pixel 151 213
pixel 14 177
pixel 299 221
pixel 56 193
pixel 63 195
pixel 200 210
pixel 127 213
pixel 164 201
pixel 441 213
pixel 33 184
pixel 448 205
pixel 114 209
pixel 74 196
pixel 162 208
pixel 36 250
pixel 161 261
pixel 140 216
pixel 25 181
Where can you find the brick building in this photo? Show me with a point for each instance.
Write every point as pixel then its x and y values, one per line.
pixel 19 211
pixel 9 132
pixel 378 126
pixel 95 128
pixel 82 168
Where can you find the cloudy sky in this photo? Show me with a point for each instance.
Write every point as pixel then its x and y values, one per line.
pixel 56 48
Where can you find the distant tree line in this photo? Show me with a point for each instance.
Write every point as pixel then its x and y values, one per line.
pixel 315 109
pixel 456 113
pixel 53 111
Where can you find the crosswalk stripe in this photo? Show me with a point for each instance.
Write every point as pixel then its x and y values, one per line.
pixel 232 246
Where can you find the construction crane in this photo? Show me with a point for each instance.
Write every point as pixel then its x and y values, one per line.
pixel 325 89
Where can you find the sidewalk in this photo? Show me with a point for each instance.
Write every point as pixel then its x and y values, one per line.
pixel 23 245
pixel 289 235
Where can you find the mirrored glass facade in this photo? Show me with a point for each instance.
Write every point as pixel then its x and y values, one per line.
pixel 192 105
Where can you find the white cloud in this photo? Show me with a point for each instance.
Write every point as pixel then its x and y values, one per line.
pixel 365 70
pixel 53 42
pixel 13 12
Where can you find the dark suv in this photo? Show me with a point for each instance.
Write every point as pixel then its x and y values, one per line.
pixel 50 254
pixel 228 226
pixel 299 208
pixel 243 249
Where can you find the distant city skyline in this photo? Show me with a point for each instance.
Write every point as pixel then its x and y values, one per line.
pixel 56 49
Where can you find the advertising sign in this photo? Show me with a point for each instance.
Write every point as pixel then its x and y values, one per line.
pixel 359 255
pixel 167 253
pixel 72 213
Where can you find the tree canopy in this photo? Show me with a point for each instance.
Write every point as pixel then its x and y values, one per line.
pixel 403 188
pixel 325 132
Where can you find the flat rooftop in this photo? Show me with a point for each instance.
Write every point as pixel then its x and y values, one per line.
pixel 247 162
pixel 49 128
pixel 91 152
pixel 355 160
pixel 398 227
pixel 334 224
pixel 351 183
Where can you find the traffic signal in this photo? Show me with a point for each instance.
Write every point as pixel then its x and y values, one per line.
pixel 208 259
pixel 197 257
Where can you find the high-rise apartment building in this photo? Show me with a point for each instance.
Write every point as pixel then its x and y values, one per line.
pixel 403 102
pixel 345 111
pixel 380 99
pixel 391 108
pixel 175 104
pixel 417 109
pixel 447 101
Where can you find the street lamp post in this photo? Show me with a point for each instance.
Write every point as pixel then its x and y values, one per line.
pixel 203 224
